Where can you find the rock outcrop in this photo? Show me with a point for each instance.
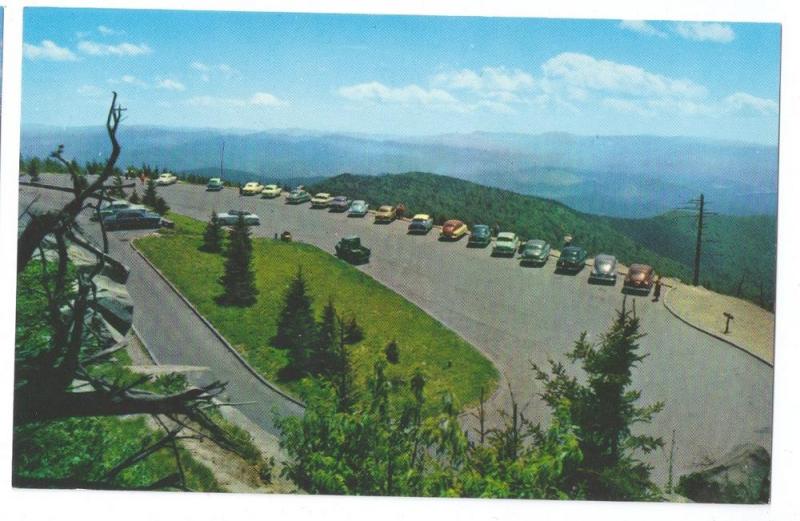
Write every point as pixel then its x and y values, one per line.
pixel 741 476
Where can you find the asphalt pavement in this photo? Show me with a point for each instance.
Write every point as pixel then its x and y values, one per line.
pixel 715 396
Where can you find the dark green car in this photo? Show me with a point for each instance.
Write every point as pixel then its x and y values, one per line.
pixel 573 258
pixel 479 237
pixel 351 250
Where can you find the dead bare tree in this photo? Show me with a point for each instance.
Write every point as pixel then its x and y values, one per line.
pixel 45 387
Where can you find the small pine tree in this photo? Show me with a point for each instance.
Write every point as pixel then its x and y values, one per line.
pixel 238 280
pixel 213 235
pixel 353 332
pixel 150 194
pixel 392 352
pixel 297 330
pixel 134 198
pixel 33 169
pixel 161 207
pixel 116 189
pixel 322 359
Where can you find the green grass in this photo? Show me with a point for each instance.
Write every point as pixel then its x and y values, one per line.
pixel 448 361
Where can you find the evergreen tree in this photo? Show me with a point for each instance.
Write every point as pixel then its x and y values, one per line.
pixel 238 280
pixel 352 331
pixel 392 352
pixel 327 337
pixel 604 409
pixel 116 189
pixel 33 169
pixel 161 207
pixel 150 194
pixel 22 165
pixel 297 330
pixel 134 198
pixel 213 235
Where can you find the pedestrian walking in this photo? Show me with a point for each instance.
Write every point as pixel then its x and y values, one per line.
pixel 657 290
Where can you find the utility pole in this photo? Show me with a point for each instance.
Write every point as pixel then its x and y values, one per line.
pixel 699 244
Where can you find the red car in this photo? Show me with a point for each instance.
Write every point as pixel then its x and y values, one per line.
pixel 640 278
pixel 454 229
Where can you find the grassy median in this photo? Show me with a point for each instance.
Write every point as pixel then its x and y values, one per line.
pixel 448 361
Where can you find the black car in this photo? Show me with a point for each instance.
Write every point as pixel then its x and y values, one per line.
pixel 573 258
pixel 134 219
pixel 340 203
pixel 480 236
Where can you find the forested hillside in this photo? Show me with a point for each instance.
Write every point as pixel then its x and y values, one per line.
pixel 743 245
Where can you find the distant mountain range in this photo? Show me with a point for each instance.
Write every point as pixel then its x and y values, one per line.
pixel 622 176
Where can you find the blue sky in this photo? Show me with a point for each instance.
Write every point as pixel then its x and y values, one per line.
pixel 402 75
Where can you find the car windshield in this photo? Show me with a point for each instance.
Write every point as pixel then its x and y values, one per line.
pixel 340 198
pixel 533 248
pixel 571 254
pixel 480 229
pixel 604 265
pixel 418 220
pixel 385 209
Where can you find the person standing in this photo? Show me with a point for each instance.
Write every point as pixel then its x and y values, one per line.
pixel 657 290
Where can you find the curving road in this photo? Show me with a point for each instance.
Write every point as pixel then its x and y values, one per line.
pixel 715 396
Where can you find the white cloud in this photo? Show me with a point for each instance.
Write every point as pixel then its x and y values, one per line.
pixel 626 105
pixel 200 66
pixel 582 71
pixel 91 91
pixel 409 94
pixel 222 69
pixel 128 79
pixel 122 49
pixel 700 31
pixel 747 104
pixel 259 99
pixel 170 84
pixel 108 31
pixel 642 27
pixel 48 50
pixel 265 99
pixel 488 79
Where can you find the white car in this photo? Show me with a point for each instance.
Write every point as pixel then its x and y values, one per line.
pixel 252 188
pixel 231 217
pixel 166 178
pixel 321 200
pixel 271 191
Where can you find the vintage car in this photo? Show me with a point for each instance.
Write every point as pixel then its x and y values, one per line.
pixel 505 244
pixel 340 203
pixel 604 269
pixel 535 252
pixel 252 188
pixel 420 223
pixel 358 209
pixel 321 200
pixel 640 278
pixel 166 178
pixel 230 218
pixel 350 249
pixel 111 207
pixel 270 191
pixel 298 196
pixel 453 230
pixel 573 258
pixel 214 184
pixel 385 214
pixel 480 236
pixel 132 219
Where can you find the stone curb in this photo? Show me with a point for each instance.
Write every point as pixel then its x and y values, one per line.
pixel 707 331
pixel 217 333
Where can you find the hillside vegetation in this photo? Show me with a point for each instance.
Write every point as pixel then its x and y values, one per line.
pixel 743 245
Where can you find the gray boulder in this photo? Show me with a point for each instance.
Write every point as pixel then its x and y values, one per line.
pixel 741 476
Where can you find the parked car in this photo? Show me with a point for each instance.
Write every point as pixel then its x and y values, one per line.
pixel 111 207
pixel 358 209
pixel 480 236
pixel 639 278
pixel 453 230
pixel 298 196
pixel 271 191
pixel 505 244
pixel 604 269
pixel 214 184
pixel 350 249
pixel 252 188
pixel 166 178
pixel 132 219
pixel 535 252
pixel 230 218
pixel 420 223
pixel 321 200
pixel 385 214
pixel 573 258
pixel 340 203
